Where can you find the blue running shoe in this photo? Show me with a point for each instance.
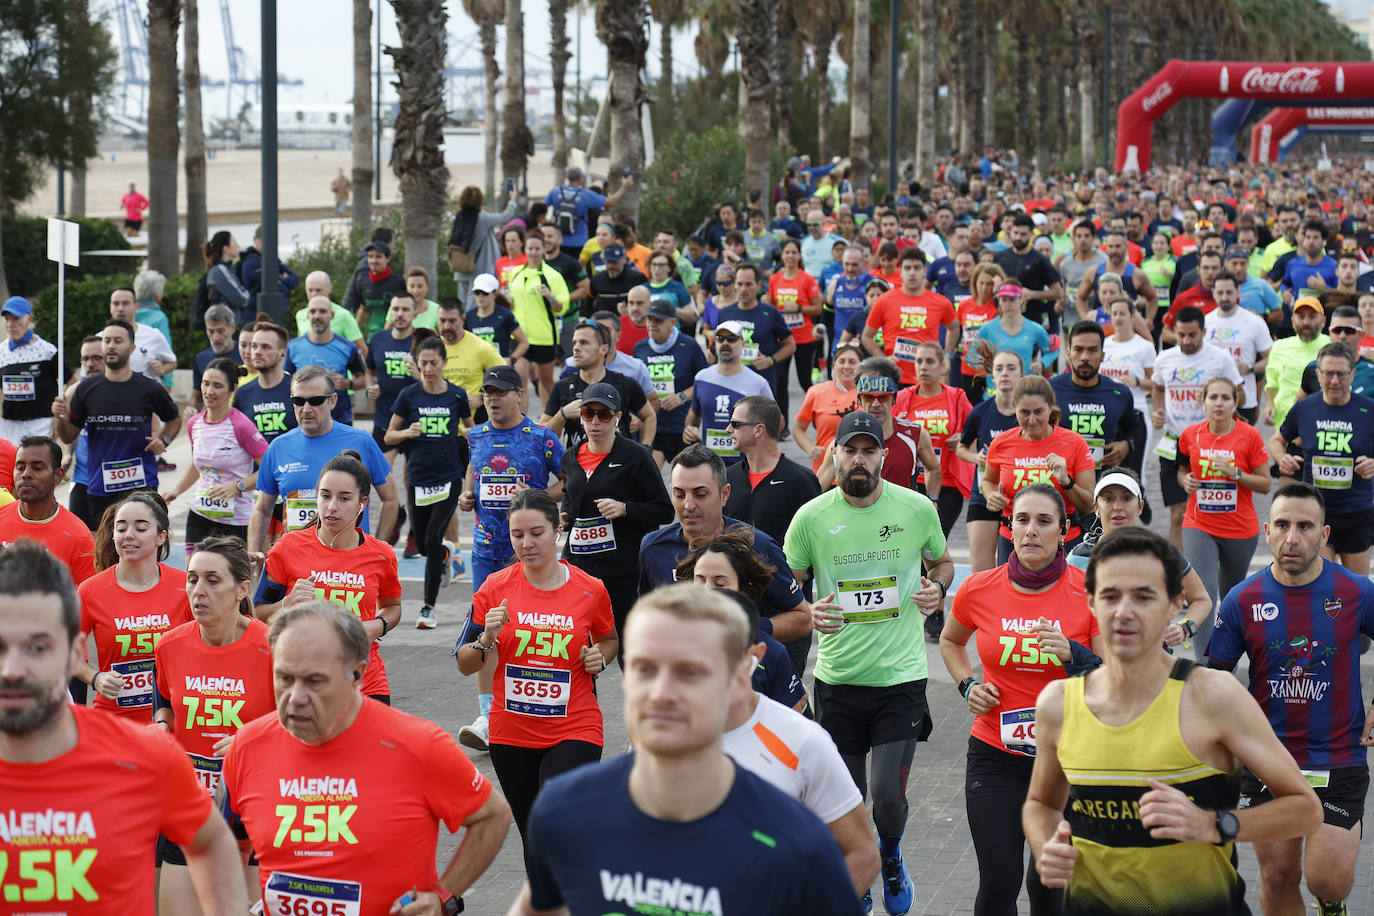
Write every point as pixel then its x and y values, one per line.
pixel 867 902
pixel 897 891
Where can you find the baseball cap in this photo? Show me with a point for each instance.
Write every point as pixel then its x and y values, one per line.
pixel 486 283
pixel 662 308
pixel 1236 252
pixel 731 327
pixel 875 384
pixel 383 247
pixel 613 253
pixel 17 306
pixel 859 423
pixel 1009 289
pixel 502 377
pixel 1039 218
pixel 603 394
pixel 1309 302
pixel 1124 481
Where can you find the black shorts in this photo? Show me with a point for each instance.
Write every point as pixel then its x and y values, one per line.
pixel 860 718
pixel 379 437
pixel 134 224
pixel 1351 532
pixel 979 512
pixel 169 853
pixel 1342 797
pixel 1168 482
pixel 668 443
pixel 1249 414
pixel 542 353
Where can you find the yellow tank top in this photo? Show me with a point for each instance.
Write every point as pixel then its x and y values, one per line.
pixel 1121 869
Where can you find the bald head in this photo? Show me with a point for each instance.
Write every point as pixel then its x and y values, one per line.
pixel 317 283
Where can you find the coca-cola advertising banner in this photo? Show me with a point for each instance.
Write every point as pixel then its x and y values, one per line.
pixel 1270 134
pixel 1275 82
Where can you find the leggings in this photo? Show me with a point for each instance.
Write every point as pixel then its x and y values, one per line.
pixel 804 360
pixel 429 523
pixel 522 772
pixel 995 785
pixel 1221 563
pixel 949 503
pixel 199 528
pixel 891 767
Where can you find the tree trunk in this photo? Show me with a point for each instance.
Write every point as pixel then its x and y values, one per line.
pixel 969 72
pixel 823 141
pixel 488 32
pixel 927 86
pixel 80 107
pixel 76 205
pixel 196 218
pixel 621 28
pixel 4 285
pixel 784 50
pixel 417 150
pixel 665 64
pixel 1087 104
pixel 757 35
pixel 164 19
pixel 1021 100
pixel 517 143
pixel 860 97
pixel 363 165
pixel 1043 91
pixel 989 94
pixel 559 55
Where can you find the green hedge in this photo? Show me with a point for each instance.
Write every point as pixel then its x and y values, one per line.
pixel 88 308
pixel 27 268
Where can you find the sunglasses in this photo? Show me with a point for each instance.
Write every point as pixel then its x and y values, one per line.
pixel 1346 330
pixel 484 292
pixel 725 283
pixel 725 338
pixel 883 398
pixel 591 413
pixel 737 424
pixel 315 400
pixel 496 392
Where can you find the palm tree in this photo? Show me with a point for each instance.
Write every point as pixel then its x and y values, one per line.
pixel 860 96
pixel 667 13
pixel 559 55
pixel 164 19
pixel 362 115
pixel 417 150
pixel 822 20
pixel 622 27
pixel 80 107
pixel 927 84
pixel 196 217
pixel 755 34
pixel 517 143
pixel 784 56
pixel 488 14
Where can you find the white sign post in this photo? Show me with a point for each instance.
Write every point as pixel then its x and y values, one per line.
pixel 64 247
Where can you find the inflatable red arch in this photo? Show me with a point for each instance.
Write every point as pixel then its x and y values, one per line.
pixel 1273 127
pixel 1265 80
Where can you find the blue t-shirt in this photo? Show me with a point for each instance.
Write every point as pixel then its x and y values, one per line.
pixel 850 300
pixel 672 291
pixel 672 372
pixel 584 200
pixel 1333 439
pixel 290 468
pixel 1298 273
pixel 1259 297
pixel 941 270
pixel 387 358
pixel 731 861
pixel 714 397
pixel 203 359
pixel 661 551
pixel 983 424
pixel 764 329
pixel 340 356
pixel 776 677
pixel 526 453
pixel 270 409
pixel 1100 414
pixel 435 458
pixel 1032 338
pixel 1304 648
pixel 497 329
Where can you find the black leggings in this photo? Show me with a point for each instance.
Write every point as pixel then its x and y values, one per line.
pixel 995 785
pixel 522 772
pixel 949 503
pixel 199 528
pixel 804 360
pixel 429 524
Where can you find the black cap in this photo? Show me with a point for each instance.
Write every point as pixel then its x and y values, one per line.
pixel 502 377
pixel 383 247
pixel 602 393
pixel 662 308
pixel 859 423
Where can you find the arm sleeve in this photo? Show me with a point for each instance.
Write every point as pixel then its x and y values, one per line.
pixel 376 462
pixel 348 326
pixel 1289 428
pixel 653 508
pixel 875 314
pixel 780 329
pixel 224 283
pixel 830 791
pixel 353 297
pixel 267 483
pixel 76 408
pixel 1228 642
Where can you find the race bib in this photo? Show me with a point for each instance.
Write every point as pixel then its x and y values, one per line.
pixel 20 388
pixel 793 319
pixel 495 491
pixel 722 443
pixel 299 512
pixel 1167 447
pixel 122 475
pixel 591 535
pixel 1317 779
pixel 868 600
pixel 749 353
pixel 1097 447
pixel 208 772
pixel 1218 496
pixel 542 692
pixel 661 374
pixel 904 348
pixel 207 506
pixel 428 496
pixel 136 682
pixel 1018 731
pixel 1333 473
pixel 301 895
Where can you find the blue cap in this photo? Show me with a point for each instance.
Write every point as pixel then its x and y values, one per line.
pixel 16 306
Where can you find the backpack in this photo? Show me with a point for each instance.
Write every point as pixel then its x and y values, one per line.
pixel 565 217
pixel 199 303
pixel 461 257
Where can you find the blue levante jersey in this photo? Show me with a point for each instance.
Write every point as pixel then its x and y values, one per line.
pixel 1304 648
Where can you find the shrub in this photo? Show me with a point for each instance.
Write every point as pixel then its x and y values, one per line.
pixel 27 268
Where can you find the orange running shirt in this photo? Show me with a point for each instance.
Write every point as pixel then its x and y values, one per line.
pixel 127 626
pixel 215 690
pixel 348 826
pixel 796 293
pixel 943 416
pixel 543 694
pixel 825 406
pixel 972 317
pixel 906 321
pixel 1022 462
pixel 1012 660
pixel 362 579
pixel 65 536
pixel 79 830
pixel 1221 506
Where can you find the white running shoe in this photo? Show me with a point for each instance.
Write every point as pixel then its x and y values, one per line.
pixel 428 619
pixel 474 735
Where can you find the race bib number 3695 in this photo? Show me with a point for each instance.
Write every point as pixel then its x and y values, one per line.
pixel 301 895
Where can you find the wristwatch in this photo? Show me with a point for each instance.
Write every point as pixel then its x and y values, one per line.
pixel 241 486
pixel 966 685
pixel 1189 628
pixel 1228 826
pixel 452 906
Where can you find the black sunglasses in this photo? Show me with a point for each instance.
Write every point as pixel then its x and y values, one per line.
pixel 315 400
pixel 736 424
pixel 1346 330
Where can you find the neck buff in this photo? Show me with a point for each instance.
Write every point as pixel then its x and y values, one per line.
pixel 1036 579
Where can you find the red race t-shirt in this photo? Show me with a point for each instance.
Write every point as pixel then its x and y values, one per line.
pixel 1021 462
pixel 215 690
pixel 80 829
pixel 972 317
pixel 1012 659
pixel 1222 507
pixel 1195 296
pixel 942 415
pixel 353 821
pixel 630 334
pixel 127 626
pixel 65 536
pixel 543 693
pixel 794 294
pixel 362 579
pixel 906 321
pixel 825 406
pixel 903 456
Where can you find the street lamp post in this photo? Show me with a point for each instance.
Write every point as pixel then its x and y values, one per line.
pixel 270 299
pixel 377 120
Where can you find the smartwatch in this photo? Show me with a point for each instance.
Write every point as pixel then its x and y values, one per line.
pixel 1189 628
pixel 1228 826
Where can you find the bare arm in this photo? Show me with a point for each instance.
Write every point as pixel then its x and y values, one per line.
pixel 855 837
pixel 523 907
pixel 260 522
pixel 793 624
pixel 484 832
pixel 648 416
pixel 216 870
pixel 387 517
pixel 1042 812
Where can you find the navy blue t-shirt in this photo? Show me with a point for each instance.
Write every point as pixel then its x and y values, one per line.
pixel 117 418
pixel 672 372
pixel 387 358
pixel 776 677
pixel 983 424
pixel 661 551
pixel 1333 439
pixel 435 458
pixel 764 330
pixel 497 329
pixel 270 409
pixel 203 359
pixel 711 866
pixel 1100 414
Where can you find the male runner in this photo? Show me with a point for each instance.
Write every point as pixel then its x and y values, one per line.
pixel 266 400
pixel 1099 409
pixel 37 515
pixel 1241 333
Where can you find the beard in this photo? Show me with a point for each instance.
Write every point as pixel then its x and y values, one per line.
pixel 25 722
pixel 859 487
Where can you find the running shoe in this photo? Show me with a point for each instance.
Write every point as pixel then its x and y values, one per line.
pixel 475 737
pixel 867 902
pixel 411 551
pixel 897 892
pixel 1332 908
pixel 428 619
pixel 394 534
pixel 454 564
pixel 817 376
pixel 164 465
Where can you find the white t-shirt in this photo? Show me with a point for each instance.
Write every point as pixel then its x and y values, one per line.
pixel 1244 335
pixel 1183 377
pixel 149 345
pixel 795 756
pixel 1131 359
